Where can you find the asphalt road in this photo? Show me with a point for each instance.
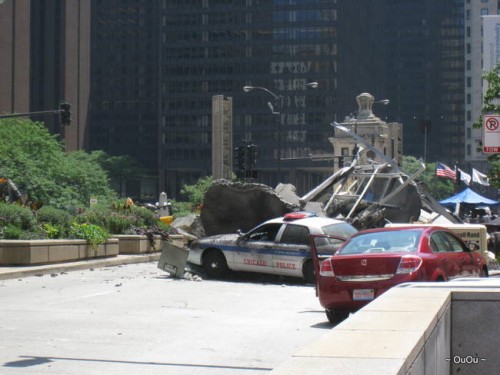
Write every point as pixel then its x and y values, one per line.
pixel 134 319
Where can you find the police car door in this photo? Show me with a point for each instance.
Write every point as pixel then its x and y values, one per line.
pixel 255 249
pixel 293 248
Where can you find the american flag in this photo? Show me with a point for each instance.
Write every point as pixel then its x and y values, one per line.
pixel 443 170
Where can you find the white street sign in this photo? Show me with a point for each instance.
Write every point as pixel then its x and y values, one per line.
pixel 491 134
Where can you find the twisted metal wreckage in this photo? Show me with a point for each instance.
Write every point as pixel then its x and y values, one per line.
pixel 367 196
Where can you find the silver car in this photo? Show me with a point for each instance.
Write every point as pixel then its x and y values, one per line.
pixel 279 246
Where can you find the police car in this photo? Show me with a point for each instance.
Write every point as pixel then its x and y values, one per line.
pixel 279 246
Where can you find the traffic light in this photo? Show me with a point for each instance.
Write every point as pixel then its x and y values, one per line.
pixel 251 156
pixel 64 113
pixel 240 160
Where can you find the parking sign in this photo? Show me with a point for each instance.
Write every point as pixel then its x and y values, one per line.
pixel 491 134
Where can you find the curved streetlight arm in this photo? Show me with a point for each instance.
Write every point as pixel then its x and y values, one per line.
pixel 250 88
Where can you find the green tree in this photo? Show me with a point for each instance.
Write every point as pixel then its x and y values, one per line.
pixel 35 160
pixel 196 192
pixel 491 105
pixel 438 187
pixel 120 168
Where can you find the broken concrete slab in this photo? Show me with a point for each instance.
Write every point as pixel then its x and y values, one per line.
pixel 229 206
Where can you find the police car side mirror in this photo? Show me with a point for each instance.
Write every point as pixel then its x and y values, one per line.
pixel 240 233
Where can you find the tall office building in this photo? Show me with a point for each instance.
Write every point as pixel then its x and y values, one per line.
pixel 425 76
pixel 44 60
pixel 125 79
pixel 481 54
pixel 217 47
pixel 157 65
pixel 14 56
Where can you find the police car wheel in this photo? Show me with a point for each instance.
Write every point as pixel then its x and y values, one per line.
pixel 336 317
pixel 308 272
pixel 214 264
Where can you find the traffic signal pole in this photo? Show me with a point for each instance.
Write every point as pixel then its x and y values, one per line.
pixel 63 112
pixel 53 112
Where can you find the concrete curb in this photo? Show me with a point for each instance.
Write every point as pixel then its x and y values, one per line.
pixel 7 273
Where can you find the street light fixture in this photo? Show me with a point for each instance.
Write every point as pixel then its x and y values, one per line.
pixel 277 112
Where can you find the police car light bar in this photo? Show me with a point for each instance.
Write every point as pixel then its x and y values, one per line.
pixel 297 215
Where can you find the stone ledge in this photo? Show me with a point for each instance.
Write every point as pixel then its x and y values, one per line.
pixel 414 328
pixel 138 244
pixel 20 252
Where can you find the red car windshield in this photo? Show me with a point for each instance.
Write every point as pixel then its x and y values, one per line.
pixel 396 241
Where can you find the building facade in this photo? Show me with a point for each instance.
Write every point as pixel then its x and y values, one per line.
pixel 217 47
pixel 44 61
pixel 482 54
pixel 425 76
pixel 125 82
pixel 387 138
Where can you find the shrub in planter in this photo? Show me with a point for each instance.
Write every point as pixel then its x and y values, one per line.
pixel 17 216
pixel 54 221
pixel 93 234
pixel 144 216
pixel 11 232
pixel 118 219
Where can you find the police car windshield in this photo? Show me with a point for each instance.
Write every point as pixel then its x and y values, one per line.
pixel 339 229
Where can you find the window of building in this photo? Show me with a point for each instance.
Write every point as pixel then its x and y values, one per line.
pixel 484 11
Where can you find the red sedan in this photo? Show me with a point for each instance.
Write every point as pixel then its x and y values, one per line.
pixel 372 261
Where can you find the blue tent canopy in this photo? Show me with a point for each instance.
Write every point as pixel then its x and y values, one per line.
pixel 468 196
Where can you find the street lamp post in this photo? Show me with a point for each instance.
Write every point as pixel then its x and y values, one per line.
pixel 277 112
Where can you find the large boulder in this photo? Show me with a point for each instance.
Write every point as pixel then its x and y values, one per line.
pixel 229 206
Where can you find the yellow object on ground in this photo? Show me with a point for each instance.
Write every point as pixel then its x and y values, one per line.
pixel 167 219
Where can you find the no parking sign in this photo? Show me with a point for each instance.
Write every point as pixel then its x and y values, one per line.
pixel 491 134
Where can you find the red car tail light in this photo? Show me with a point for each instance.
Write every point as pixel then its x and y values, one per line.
pixel 326 268
pixel 408 264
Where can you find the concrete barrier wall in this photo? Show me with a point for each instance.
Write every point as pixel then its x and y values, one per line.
pixel 420 328
pixel 19 252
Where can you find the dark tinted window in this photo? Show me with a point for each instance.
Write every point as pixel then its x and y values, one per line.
pixel 266 232
pixel 296 234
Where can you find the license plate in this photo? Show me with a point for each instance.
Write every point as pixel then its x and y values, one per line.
pixel 363 294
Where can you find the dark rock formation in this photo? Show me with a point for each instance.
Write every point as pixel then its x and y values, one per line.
pixel 229 206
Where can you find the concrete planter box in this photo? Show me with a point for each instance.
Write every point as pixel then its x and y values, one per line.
pixel 137 244
pixel 20 252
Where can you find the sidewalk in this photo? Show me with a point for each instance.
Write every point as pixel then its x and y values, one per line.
pixel 14 272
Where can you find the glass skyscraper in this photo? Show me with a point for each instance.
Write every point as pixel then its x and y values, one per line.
pixel 216 47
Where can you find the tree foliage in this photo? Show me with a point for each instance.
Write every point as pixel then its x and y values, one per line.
pixel 196 192
pixel 35 160
pixel 438 187
pixel 120 169
pixel 491 105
